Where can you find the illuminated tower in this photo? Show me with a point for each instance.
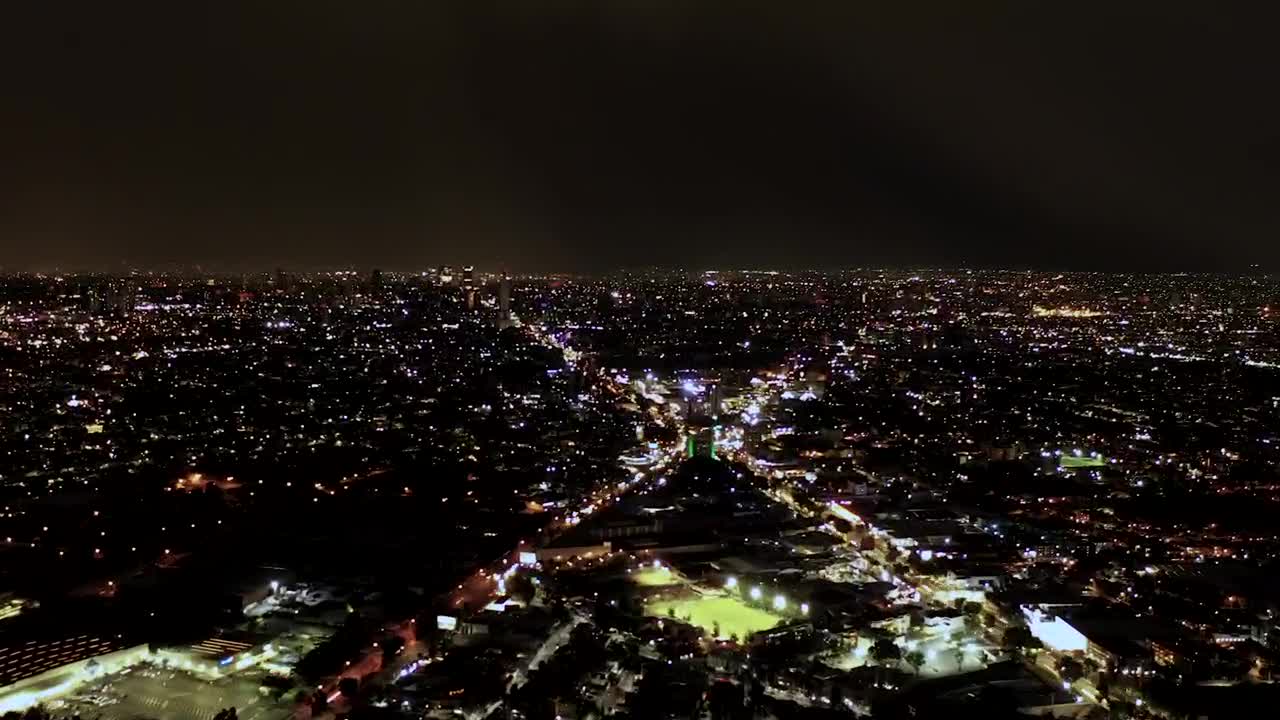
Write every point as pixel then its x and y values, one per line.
pixel 469 291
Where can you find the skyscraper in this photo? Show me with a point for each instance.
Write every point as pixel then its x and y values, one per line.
pixel 504 301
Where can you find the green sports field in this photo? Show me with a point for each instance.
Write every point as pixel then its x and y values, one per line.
pixel 654 577
pixel 734 616
pixel 1071 462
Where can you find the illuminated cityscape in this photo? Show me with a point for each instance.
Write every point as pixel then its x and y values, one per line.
pixel 639 361
pixel 722 494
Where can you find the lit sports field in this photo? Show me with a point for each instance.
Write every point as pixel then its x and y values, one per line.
pixel 735 617
pixel 1072 462
pixel 654 577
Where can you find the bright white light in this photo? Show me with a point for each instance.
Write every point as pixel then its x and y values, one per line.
pixel 275 585
pixel 657 564
pixel 756 593
pixel 731 582
pixel 1054 632
pixel 931 654
pixel 843 512
pixel 804 608
pixel 779 602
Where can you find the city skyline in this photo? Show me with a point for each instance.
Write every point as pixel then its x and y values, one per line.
pixel 743 495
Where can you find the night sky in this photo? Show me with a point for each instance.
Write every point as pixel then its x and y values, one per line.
pixel 512 135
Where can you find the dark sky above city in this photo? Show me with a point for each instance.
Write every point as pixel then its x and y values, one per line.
pixel 593 135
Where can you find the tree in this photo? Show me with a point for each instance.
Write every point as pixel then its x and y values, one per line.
pixel 884 650
pixel 1018 639
pixel 715 629
pixel 521 588
pixel 1070 669
pixel 671 612
pixel 915 659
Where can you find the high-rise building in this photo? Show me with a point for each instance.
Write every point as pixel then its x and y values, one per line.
pixel 446 275
pixel 714 398
pixel 119 298
pixel 504 302
pixel 468 276
pixel 93 298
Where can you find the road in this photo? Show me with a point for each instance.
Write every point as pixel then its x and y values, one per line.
pixel 556 640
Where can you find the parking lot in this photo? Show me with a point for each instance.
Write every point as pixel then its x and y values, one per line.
pixel 158 694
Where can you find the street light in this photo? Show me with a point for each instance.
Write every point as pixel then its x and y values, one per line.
pixel 731 582
pixel 756 593
pixel 779 602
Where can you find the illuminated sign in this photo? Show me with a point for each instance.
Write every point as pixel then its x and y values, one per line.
pixel 528 558
pixel 446 622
